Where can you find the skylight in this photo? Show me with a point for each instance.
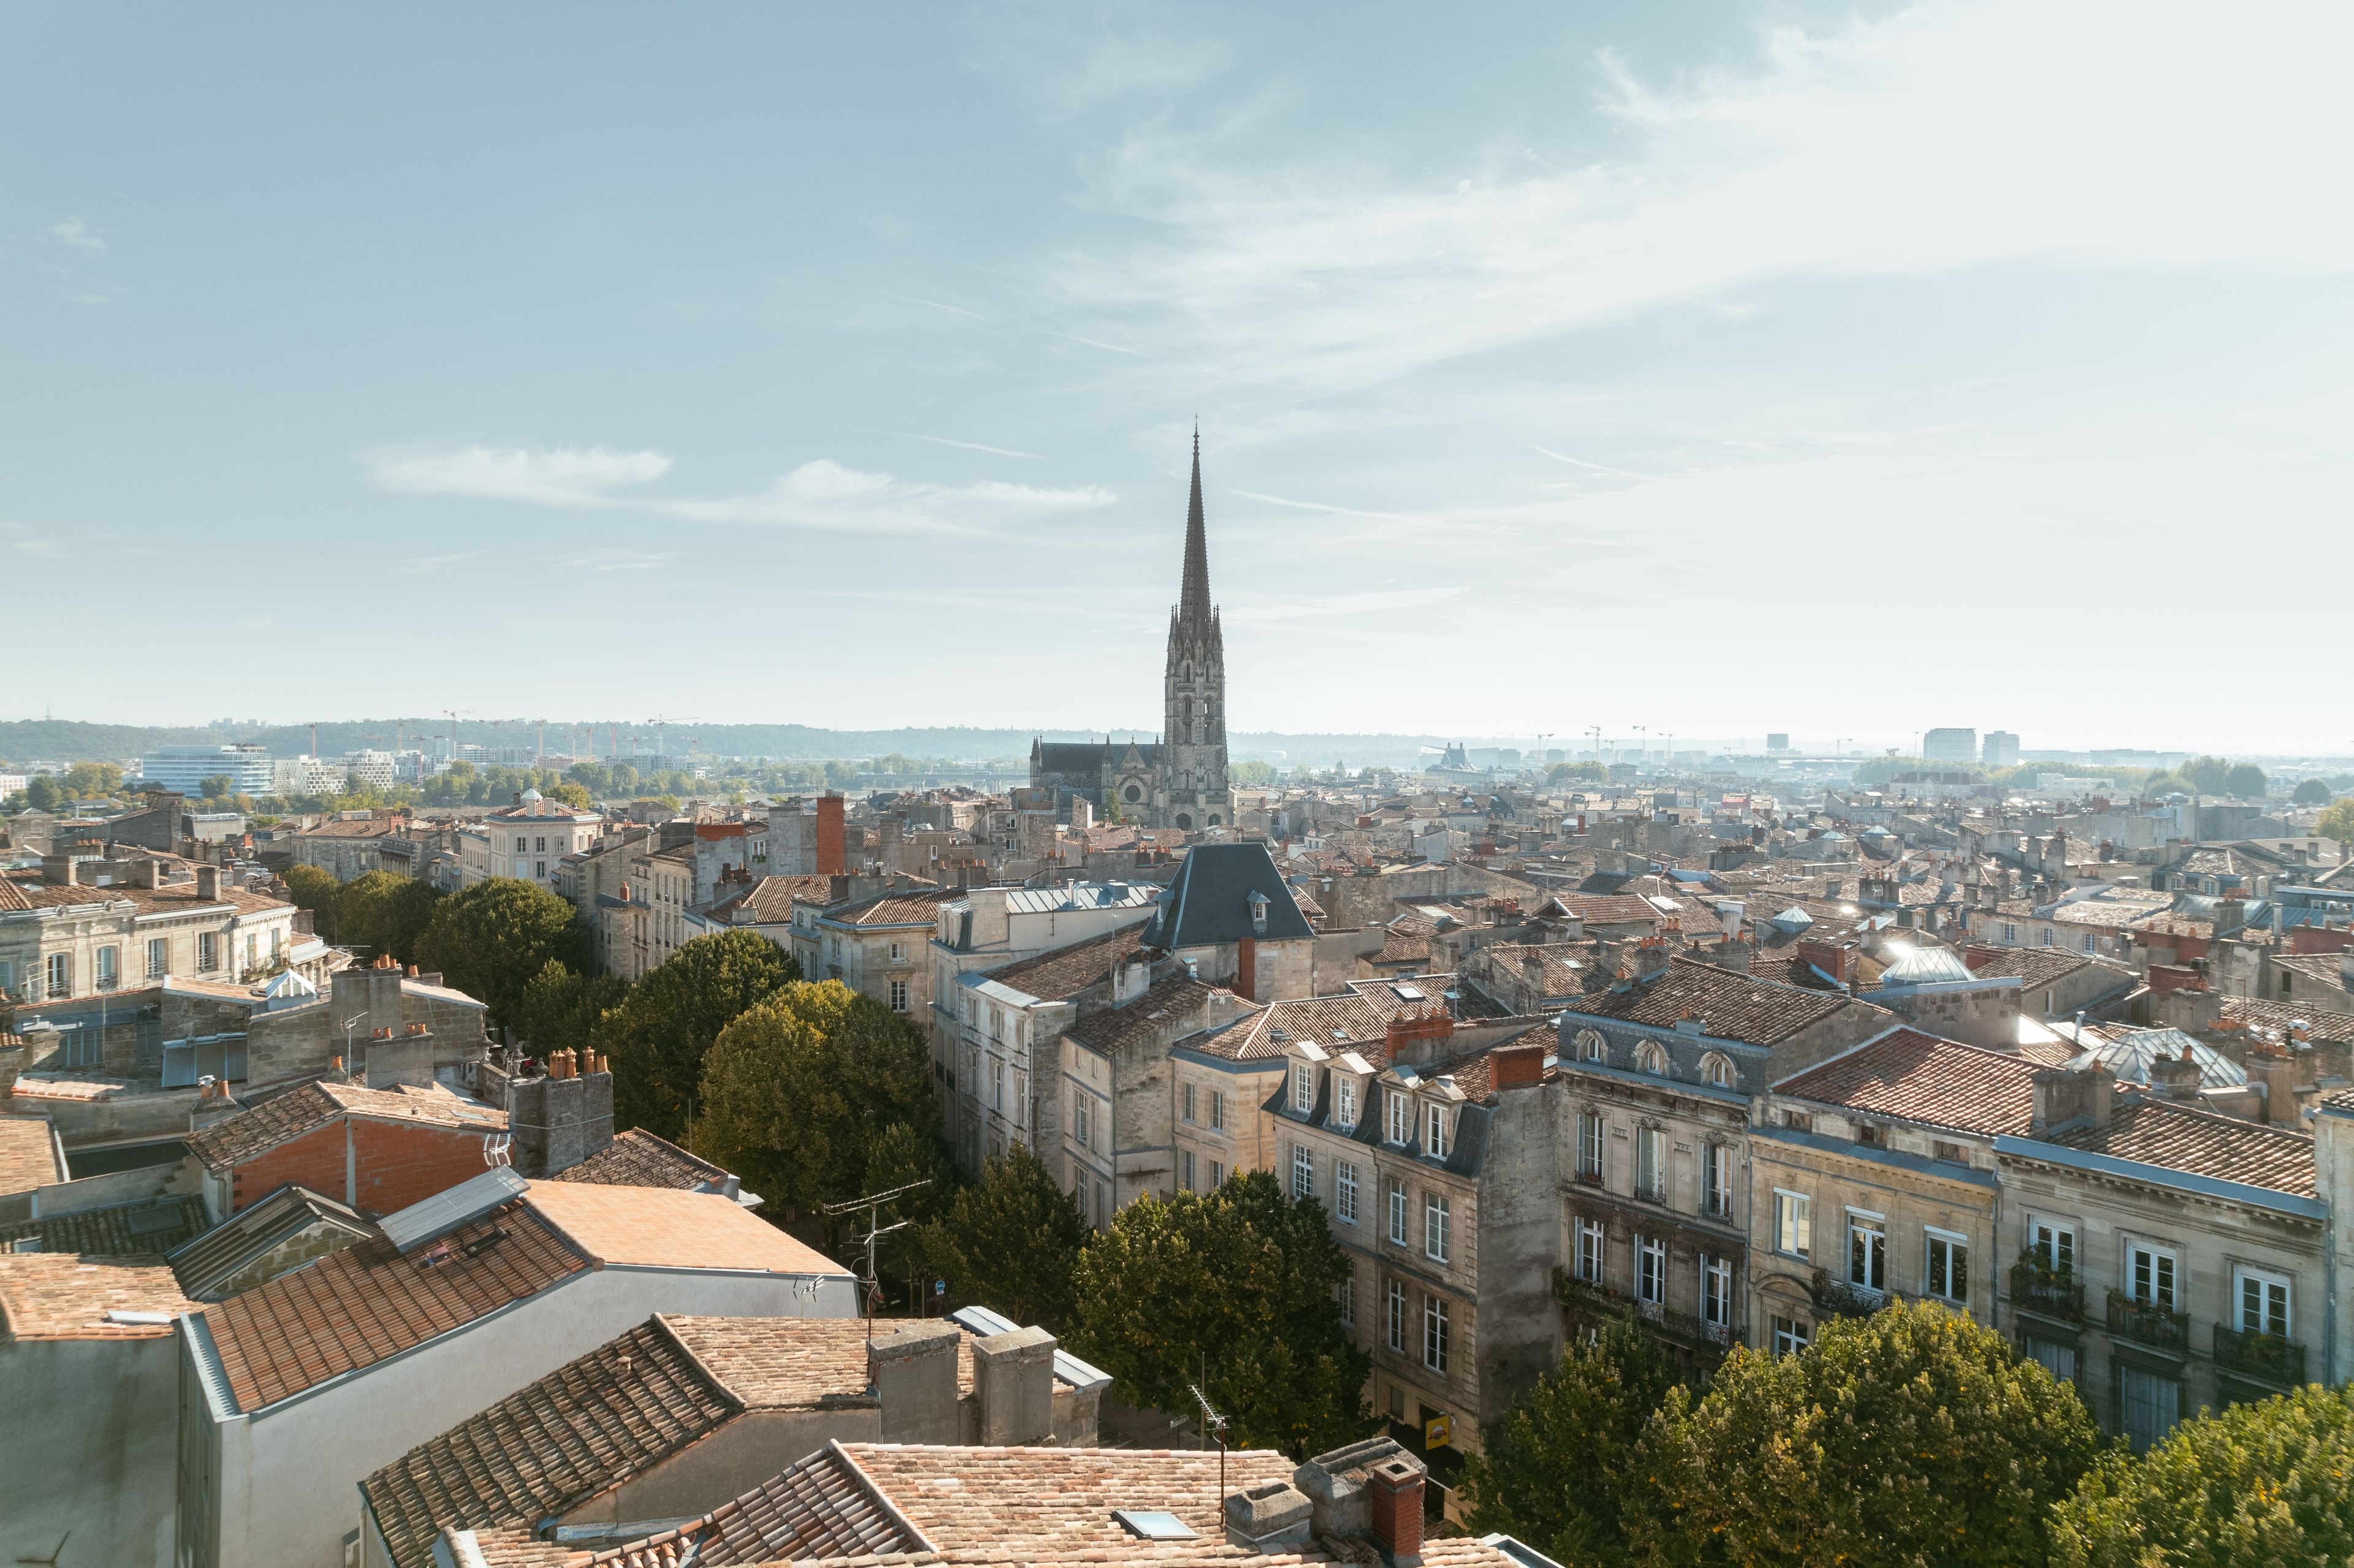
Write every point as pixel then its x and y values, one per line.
pixel 1152 1524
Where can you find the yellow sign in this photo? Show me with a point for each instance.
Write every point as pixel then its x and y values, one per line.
pixel 1437 1432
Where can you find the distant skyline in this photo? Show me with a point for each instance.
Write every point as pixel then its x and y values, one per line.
pixel 1817 367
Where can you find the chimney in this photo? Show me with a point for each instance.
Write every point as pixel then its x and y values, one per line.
pixel 1396 1485
pixel 1274 1516
pixel 1418 1036
pixel 2346 967
pixel 831 855
pixel 914 1375
pixel 561 1118
pixel 2175 1077
pixel 2231 916
pixel 2277 1073
pixel 1013 1379
pixel 1518 1066
pixel 2065 1098
pixel 146 871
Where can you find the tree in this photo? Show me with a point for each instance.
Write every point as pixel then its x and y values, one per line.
pixel 384 912
pixel 2205 774
pixel 2245 782
pixel 217 786
pixel 801 1092
pixel 1912 1436
pixel 658 1035
pixel 2310 792
pixel 572 795
pixel 2337 821
pixel 85 779
pixel 315 890
pixel 1234 1290
pixel 489 939
pixel 1010 1242
pixel 1554 1469
pixel 42 794
pixel 1252 774
pixel 2264 1482
pixel 560 1009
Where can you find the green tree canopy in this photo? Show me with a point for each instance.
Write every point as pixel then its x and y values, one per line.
pixel 42 794
pixel 658 1035
pixel 2247 782
pixel 2337 821
pixel 1235 1290
pixel 94 779
pixel 1912 1437
pixel 2310 792
pixel 1010 1242
pixel 560 1009
pixel 217 786
pixel 316 891
pixel 801 1092
pixel 2271 1482
pixel 1553 1471
pixel 2206 773
pixel 384 912
pixel 489 939
pixel 1252 774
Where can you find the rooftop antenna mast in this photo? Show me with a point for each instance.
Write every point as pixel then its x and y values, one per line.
pixel 1212 1422
pixel 875 1231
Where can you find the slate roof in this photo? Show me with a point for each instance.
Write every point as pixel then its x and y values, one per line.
pixel 28 1154
pixel 117 1232
pixel 2203 1142
pixel 291 1115
pixel 1209 903
pixel 641 1159
pixel 1729 1005
pixel 1920 1077
pixel 1180 996
pixel 64 1296
pixel 1051 975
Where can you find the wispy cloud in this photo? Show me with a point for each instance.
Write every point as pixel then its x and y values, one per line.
pixel 625 560
pixel 561 476
pixel 425 566
pixel 967 446
pixel 1594 467
pixel 933 304
pixel 1323 506
pixel 75 234
pixel 1380 602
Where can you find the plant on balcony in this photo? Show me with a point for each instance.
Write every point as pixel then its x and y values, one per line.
pixel 2034 1281
pixel 2271 1356
pixel 2145 1320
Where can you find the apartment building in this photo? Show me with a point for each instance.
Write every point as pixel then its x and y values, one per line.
pixel 875 945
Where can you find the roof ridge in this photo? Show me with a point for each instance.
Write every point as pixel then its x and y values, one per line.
pixel 2146 1100
pixel 719 1386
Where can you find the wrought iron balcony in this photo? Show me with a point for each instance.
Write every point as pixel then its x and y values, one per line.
pixel 2053 1292
pixel 2146 1322
pixel 1841 1299
pixel 1590 1296
pixel 2268 1358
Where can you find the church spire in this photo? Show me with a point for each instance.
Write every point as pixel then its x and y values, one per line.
pixel 1193 600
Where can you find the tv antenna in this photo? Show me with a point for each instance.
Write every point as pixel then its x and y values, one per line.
pixel 1212 1422
pixel 875 1231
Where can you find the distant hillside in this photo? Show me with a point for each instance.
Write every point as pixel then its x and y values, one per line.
pixel 65 740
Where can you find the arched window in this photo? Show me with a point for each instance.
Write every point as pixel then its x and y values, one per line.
pixel 1649 1058
pixel 1184 821
pixel 1715 1069
pixel 1591 1047
pixel 1213 819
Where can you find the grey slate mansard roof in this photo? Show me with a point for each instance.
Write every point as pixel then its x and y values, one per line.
pixel 1209 904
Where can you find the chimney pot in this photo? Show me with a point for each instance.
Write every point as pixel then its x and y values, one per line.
pixel 1396 1485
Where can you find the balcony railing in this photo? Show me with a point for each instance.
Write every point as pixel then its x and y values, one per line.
pixel 2268 1358
pixel 1588 1178
pixel 1841 1299
pixel 1590 1296
pixel 2054 1292
pixel 2147 1323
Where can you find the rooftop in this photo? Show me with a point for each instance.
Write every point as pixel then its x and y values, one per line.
pixel 641 1159
pixel 906 907
pixel 654 1227
pixel 28 1154
pixel 1064 971
pixel 1212 901
pixel 291 1115
pixel 1726 1004
pixel 2200 1143
pixel 1920 1077
pixel 64 1296
pixel 119 1231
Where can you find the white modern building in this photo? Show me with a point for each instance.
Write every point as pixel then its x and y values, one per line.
pixel 249 769
pixel 1950 745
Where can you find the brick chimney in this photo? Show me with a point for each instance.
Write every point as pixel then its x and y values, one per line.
pixel 1396 1485
pixel 831 858
pixel 1518 1066
pixel 1415 1036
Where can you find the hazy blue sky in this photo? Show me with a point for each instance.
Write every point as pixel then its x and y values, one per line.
pixel 1842 370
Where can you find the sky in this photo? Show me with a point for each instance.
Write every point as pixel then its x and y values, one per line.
pixel 1715 369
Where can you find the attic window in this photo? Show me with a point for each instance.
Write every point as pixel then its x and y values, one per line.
pixel 1258 913
pixel 1152 1524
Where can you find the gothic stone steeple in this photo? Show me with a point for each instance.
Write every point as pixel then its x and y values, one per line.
pixel 1192 786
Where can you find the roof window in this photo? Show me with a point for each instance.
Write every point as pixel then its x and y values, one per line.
pixel 1152 1524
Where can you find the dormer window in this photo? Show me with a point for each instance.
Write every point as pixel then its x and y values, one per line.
pixel 1303 1088
pixel 1717 1071
pixel 1435 1129
pixel 1649 1058
pixel 1258 913
pixel 1591 1047
pixel 1345 1109
pixel 1401 1119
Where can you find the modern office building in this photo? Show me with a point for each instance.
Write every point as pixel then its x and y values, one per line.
pixel 1950 745
pixel 248 767
pixel 1999 749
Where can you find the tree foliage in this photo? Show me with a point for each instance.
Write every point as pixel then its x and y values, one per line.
pixel 1555 1468
pixel 2265 1482
pixel 802 1092
pixel 560 1009
pixel 2245 781
pixel 1233 1288
pixel 658 1035
pixel 2336 821
pixel 1914 1437
pixel 384 912
pixel 1010 1242
pixel 2310 792
pixel 489 939
pixel 315 890
pixel 2206 773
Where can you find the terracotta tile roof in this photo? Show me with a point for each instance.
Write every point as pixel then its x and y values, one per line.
pixel 1266 1036
pixel 152 1227
pixel 639 1159
pixel 1066 970
pixel 906 907
pixel 178 898
pixel 2033 966
pixel 1729 1005
pixel 769 901
pixel 64 1296
pixel 2278 1015
pixel 656 1227
pixel 28 1154
pixel 2201 1143
pixel 791 1363
pixel 354 1308
pixel 1920 1077
pixel 315 1105
pixel 1178 999
pixel 826 1507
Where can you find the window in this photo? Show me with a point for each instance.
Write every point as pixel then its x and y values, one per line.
pixel 1397 1212
pixel 1185 1102
pixel 898 952
pixel 2086 940
pixel 2054 1243
pixel 1589 1147
pixel 1798 1121
pixel 1397 1315
pixel 1436 1218
pixel 521 843
pixel 107 967
pixel 1794 1224
pixel 60 974
pixel 1347 1100
pixel 1591 1047
pixel 1434 1141
pixel 159 957
pixel 1590 1234
pixel 899 996
pixel 1344 1191
pixel 2149 1273
pixel 1716 1291
pixel 1079 1120
pixel 1217 1174
pixel 2149 1403
pixel 2055 1358
pixel 1872 1133
pixel 1716 1181
pixel 2050 937
pixel 1950 1266
pixel 2009 931
pixel 1951 1153
pixel 1185 1169
pixel 1790 1336
pixel 1649 1058
pixel 2262 1302
pixel 1217 1110
pixel 1303 1088
pixel 1344 1295
pixel 1401 1119
pixel 1435 1333
pixel 538 845
pixel 1650 1160
pixel 1867 1252
pixel 1717 1071
pixel 997 1085
pixel 1303 1174
pixel 1651 1270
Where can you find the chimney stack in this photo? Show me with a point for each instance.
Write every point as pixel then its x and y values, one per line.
pixel 2175 1077
pixel 1518 1066
pixel 208 883
pixel 1396 1485
pixel 914 1375
pixel 2065 1098
pixel 1013 1379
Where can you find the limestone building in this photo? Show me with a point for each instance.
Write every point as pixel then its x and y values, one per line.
pixel 1180 780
